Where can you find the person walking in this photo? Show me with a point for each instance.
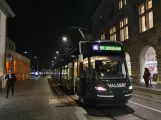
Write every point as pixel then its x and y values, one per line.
pixel 11 79
pixel 150 80
pixel 146 76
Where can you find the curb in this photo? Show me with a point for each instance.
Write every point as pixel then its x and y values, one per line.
pixel 147 90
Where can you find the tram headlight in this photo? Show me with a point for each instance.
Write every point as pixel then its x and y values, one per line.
pixel 100 88
pixel 130 88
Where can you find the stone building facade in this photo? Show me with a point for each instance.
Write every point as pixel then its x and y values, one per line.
pixel 5 12
pixel 19 64
pixel 9 59
pixel 137 24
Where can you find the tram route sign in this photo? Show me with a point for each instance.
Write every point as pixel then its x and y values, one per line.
pixel 106 48
pixel 110 48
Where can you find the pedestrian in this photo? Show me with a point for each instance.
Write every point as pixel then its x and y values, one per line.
pixel 150 80
pixel 146 76
pixel 11 79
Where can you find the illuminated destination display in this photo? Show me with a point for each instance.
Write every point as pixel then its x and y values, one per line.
pixel 110 48
pixel 106 48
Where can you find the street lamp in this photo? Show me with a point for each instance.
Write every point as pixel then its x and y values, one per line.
pixel 25 52
pixel 65 39
pixel 57 52
pixel 54 57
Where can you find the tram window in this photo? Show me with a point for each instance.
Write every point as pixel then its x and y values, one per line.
pixel 85 66
pixel 109 67
pixel 66 72
pixel 70 71
pixel 63 72
pixel 92 71
pixel 85 70
pixel 85 62
pixel 75 69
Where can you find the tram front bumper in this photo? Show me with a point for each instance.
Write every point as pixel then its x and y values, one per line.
pixel 109 99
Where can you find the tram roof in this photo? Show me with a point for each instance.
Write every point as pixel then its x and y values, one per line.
pixel 107 41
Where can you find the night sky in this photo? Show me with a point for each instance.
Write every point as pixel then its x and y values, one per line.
pixel 40 24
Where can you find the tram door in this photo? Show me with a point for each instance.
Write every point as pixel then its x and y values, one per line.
pixel 75 73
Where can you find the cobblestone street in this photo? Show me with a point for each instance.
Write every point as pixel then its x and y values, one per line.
pixel 34 100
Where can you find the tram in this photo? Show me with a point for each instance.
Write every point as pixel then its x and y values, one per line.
pixel 97 72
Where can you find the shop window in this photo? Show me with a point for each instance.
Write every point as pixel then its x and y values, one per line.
pixel 103 36
pixel 122 3
pixel 7 67
pixel 15 65
pixel 124 34
pixel 146 16
pixel 113 34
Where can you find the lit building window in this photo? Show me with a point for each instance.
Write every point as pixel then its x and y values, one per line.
pixel 103 36
pixel 146 16
pixel 113 33
pixel 122 3
pixel 124 34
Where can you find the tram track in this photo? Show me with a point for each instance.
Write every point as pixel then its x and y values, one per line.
pixel 132 113
pixel 107 114
pixel 117 113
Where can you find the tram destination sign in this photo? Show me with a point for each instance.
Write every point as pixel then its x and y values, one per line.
pixel 106 48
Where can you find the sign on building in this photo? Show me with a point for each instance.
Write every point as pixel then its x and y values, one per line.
pixel 9 57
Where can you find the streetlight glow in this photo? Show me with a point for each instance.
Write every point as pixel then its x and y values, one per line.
pixel 25 52
pixel 57 52
pixel 35 57
pixel 54 57
pixel 64 39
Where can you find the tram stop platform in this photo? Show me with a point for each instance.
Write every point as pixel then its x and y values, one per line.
pixel 152 89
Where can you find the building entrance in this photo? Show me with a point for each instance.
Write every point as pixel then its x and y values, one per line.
pixel 148 60
pixel 128 61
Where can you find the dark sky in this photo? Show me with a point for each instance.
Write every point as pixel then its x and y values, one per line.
pixel 40 24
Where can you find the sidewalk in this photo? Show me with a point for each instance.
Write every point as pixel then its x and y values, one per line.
pixel 154 89
pixel 35 100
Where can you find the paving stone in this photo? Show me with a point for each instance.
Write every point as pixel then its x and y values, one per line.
pixel 35 100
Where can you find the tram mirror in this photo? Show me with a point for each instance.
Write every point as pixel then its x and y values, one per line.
pixel 80 58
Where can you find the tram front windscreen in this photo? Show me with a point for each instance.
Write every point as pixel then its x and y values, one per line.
pixel 108 67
